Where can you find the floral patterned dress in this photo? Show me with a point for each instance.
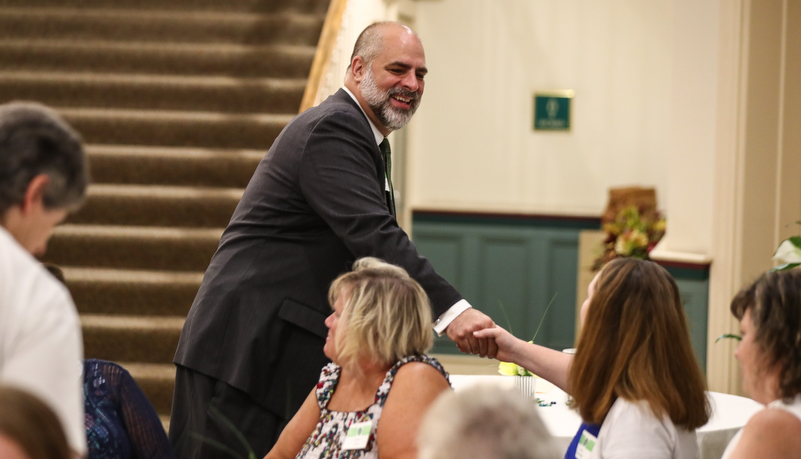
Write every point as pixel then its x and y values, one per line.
pixel 326 440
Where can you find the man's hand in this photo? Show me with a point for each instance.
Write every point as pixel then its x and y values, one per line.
pixel 460 331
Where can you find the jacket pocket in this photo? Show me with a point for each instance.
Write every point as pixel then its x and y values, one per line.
pixel 304 317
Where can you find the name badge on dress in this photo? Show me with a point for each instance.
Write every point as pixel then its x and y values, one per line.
pixel 358 435
pixel 585 445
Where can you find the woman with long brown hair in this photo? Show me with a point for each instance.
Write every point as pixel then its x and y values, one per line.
pixel 634 378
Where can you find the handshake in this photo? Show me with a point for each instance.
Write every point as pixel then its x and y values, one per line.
pixel 472 331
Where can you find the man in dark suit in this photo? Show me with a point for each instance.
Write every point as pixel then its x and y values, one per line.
pixel 252 345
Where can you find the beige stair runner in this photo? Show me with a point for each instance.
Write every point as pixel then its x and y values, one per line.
pixel 177 101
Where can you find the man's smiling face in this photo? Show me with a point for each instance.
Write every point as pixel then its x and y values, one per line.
pixel 393 83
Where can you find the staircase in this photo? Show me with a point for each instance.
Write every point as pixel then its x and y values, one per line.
pixel 177 101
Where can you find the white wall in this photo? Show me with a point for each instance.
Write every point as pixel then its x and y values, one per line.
pixel 632 65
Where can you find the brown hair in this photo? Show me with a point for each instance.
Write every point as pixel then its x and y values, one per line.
pixel 32 425
pixel 775 304
pixel 386 317
pixel 635 344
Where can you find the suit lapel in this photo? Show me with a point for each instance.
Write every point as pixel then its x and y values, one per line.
pixel 342 96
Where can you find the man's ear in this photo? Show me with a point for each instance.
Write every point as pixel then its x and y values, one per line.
pixel 358 68
pixel 34 195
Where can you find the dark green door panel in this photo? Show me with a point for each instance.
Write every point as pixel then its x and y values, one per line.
pixel 511 274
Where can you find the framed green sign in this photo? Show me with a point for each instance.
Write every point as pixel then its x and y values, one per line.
pixel 552 110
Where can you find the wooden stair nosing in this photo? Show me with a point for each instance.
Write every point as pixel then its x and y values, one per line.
pixel 126 247
pixel 154 205
pixel 132 292
pixel 281 61
pixel 256 6
pixel 119 24
pixel 132 338
pixel 154 92
pixel 176 128
pixel 126 164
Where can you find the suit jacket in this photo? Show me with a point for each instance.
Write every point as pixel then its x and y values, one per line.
pixel 315 204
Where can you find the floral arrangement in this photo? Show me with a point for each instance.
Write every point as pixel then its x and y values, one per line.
pixel 513 369
pixel 633 233
pixel 789 253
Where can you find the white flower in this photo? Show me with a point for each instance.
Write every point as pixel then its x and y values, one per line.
pixel 788 252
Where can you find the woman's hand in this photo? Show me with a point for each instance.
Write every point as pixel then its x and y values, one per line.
pixel 508 345
pixel 546 363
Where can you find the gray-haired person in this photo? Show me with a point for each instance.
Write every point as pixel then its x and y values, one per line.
pixel 484 422
pixel 43 176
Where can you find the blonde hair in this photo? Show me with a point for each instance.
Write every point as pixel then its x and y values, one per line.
pixel 635 344
pixel 386 314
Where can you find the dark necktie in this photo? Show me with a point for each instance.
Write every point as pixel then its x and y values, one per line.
pixel 384 147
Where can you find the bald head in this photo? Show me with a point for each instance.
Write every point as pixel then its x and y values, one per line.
pixel 371 41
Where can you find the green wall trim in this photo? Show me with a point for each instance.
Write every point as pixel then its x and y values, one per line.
pixel 507 220
pixel 692 272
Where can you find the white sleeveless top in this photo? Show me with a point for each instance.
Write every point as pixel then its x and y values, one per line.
pixel 794 408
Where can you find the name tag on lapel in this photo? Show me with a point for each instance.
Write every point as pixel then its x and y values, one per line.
pixel 358 435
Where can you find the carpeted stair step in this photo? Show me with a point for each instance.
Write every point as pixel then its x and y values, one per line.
pixel 118 24
pixel 132 292
pixel 276 61
pixel 130 247
pixel 131 338
pixel 257 6
pixel 154 205
pixel 172 166
pixel 177 101
pixel 176 128
pixel 157 381
pixel 154 92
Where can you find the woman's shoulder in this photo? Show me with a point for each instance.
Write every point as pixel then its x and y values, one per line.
pixel 414 374
pixel 419 366
pixel 774 423
pixel 631 427
pixel 772 432
pixel 636 417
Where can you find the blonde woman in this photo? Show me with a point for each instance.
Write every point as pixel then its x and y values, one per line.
pixel 371 399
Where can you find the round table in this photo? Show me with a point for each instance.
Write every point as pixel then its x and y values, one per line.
pixel 729 413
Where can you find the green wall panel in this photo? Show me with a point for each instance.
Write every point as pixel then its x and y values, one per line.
pixel 695 298
pixel 511 269
pixel 510 273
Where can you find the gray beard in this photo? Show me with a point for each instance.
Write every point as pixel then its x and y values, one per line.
pixel 390 116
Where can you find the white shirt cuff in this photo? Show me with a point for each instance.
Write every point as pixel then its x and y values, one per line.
pixel 450 315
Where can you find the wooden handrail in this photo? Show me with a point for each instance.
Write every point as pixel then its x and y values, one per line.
pixel 325 47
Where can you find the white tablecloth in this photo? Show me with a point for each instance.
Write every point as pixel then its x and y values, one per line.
pixel 729 413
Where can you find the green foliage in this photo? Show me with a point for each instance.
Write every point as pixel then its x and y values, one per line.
pixel 729 336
